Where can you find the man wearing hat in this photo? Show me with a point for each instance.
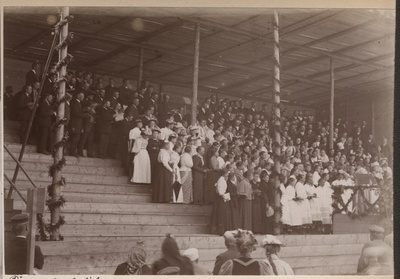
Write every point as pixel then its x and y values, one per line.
pixel 193 255
pixel 16 249
pixel 376 237
pixel 230 254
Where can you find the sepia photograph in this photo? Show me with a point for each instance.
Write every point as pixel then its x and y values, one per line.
pixel 156 140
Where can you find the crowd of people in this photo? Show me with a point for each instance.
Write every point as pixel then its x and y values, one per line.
pixel 226 158
pixel 236 260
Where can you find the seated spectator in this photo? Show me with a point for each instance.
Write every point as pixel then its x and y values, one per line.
pixel 135 263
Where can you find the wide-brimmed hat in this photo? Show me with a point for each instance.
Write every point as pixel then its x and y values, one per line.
pixel 269 239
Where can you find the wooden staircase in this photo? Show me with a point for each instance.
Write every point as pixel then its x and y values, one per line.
pixel 105 215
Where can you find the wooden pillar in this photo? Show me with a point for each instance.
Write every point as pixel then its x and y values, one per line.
pixel 277 125
pixel 140 70
pixel 373 115
pixel 59 154
pixel 31 210
pixel 195 74
pixel 332 107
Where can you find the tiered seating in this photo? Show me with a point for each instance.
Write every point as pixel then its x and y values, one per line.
pixel 105 214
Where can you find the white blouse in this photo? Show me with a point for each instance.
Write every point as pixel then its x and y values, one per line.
pixel 186 162
pixel 164 158
pixel 301 191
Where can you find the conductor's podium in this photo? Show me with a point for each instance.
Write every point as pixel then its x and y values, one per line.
pixel 105 215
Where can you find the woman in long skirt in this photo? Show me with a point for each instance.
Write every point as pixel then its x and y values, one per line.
pixel 313 199
pixel 234 203
pixel 290 208
pixel 212 175
pixel 303 201
pixel 245 201
pixel 186 163
pixel 324 194
pixel 221 220
pixel 177 196
pixel 268 200
pixel 141 162
pixel 258 205
pixel 165 174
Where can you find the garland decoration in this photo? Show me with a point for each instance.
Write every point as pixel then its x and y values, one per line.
pixel 65 62
pixel 54 204
pixel 56 125
pixel 65 42
pixel 62 143
pixel 41 227
pixel 50 188
pixel 67 19
pixel 57 167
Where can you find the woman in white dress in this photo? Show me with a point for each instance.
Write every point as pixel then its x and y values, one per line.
pixel 141 162
pixel 290 208
pixel 175 158
pixel 186 163
pixel 312 197
pixel 302 199
pixel 324 194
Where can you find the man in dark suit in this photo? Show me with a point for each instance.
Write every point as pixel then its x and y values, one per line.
pixel 125 93
pixel 178 116
pixel 86 137
pixel 45 114
pixel 32 75
pixel 76 122
pixel 8 104
pixel 105 119
pixel 126 126
pixel 230 254
pixel 16 249
pixel 115 99
pixel 203 112
pixel 25 105
pixel 100 98
pixel 133 109
pixel 110 88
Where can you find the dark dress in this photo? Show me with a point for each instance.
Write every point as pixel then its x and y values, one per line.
pixel 245 205
pixel 242 266
pixel 222 216
pixel 234 205
pixel 122 270
pixel 153 148
pixel 183 263
pixel 268 196
pixel 211 178
pixel 198 180
pixel 163 184
pixel 258 208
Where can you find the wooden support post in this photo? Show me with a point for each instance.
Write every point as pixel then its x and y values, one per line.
pixel 195 73
pixel 373 115
pixel 35 204
pixel 31 210
pixel 140 71
pixel 332 103
pixel 55 213
pixel 277 125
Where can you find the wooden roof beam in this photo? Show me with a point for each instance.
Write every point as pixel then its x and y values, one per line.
pixel 33 39
pixel 203 39
pixel 142 39
pixel 341 69
pixel 296 27
pixel 109 28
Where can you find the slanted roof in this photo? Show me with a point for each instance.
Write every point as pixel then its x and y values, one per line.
pixel 236 47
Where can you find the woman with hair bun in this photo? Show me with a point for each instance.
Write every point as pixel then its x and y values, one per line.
pixel 275 265
pixel 244 265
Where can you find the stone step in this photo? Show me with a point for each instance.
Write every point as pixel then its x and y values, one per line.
pixel 10 164
pixel 301 263
pixel 11 138
pixel 131 229
pixel 43 176
pixel 153 243
pixel 99 197
pixel 87 188
pixel 126 208
pixel 30 155
pixel 136 218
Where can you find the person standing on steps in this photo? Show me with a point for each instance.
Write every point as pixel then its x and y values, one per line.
pixel 154 148
pixel 76 122
pixel 141 161
pixel 198 171
pixel 15 251
pixel 105 119
pixel 44 121
pixel 25 105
